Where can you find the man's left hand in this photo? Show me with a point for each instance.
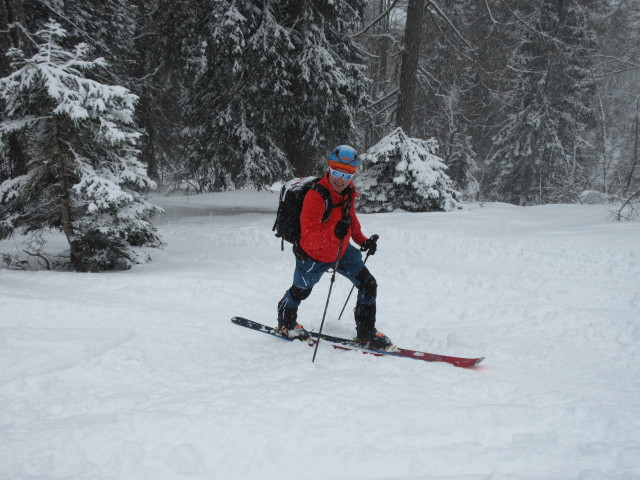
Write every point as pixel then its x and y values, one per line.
pixel 370 245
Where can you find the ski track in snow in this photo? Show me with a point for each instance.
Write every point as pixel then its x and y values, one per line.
pixel 141 375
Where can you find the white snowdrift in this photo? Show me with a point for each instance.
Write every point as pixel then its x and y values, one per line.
pixel 140 374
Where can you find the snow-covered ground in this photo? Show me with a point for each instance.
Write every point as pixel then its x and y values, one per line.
pixel 140 375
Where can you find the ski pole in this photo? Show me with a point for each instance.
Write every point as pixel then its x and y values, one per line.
pixel 326 306
pixel 346 214
pixel 351 291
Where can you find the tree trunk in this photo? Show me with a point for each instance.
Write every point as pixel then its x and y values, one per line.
pixel 635 149
pixel 14 12
pixel 409 66
pixel 142 69
pixel 11 11
pixel 5 39
pixel 382 50
pixel 63 199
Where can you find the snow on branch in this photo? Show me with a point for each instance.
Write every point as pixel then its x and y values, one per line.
pixel 405 173
pixel 83 166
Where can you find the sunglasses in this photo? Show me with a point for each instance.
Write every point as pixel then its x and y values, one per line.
pixel 339 174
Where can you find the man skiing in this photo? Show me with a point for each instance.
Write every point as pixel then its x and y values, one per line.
pixel 321 242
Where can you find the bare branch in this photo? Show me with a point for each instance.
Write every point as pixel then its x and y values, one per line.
pixel 152 73
pixel 47 264
pixel 19 26
pixel 624 61
pixel 363 51
pixel 534 29
pixel 380 112
pixel 386 97
pixel 495 22
pixel 630 204
pixel 446 19
pixel 458 51
pixel 380 17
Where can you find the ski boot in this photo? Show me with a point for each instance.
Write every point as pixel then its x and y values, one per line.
pixel 288 326
pixel 367 335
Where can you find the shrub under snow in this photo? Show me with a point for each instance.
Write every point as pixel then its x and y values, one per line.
pixel 405 173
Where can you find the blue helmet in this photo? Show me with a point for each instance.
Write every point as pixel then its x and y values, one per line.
pixel 344 157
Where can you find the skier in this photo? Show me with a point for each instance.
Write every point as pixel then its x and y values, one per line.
pixel 319 246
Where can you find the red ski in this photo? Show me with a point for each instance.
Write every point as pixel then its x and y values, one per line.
pixel 346 344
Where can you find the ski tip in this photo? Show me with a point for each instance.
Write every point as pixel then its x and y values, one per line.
pixel 473 362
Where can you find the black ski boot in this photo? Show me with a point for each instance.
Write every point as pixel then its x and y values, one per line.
pixel 288 325
pixel 366 329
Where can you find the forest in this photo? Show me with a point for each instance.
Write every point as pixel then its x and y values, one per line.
pixel 526 102
pixel 496 137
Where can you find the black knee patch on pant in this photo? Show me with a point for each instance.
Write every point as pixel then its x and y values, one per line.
pixel 299 293
pixel 367 283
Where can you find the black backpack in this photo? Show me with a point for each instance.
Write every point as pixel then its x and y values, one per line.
pixel 292 193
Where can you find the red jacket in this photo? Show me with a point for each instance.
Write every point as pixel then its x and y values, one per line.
pixel 317 238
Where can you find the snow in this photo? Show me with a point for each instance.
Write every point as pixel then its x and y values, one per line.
pixel 141 375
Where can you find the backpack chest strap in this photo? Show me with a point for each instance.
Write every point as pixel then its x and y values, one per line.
pixel 328 202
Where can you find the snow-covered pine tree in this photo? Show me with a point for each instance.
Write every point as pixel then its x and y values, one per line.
pixel 276 88
pixel 537 149
pixel 106 25
pixel 83 176
pixel 462 164
pixel 403 172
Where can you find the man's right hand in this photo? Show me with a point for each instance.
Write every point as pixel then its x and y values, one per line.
pixel 342 228
pixel 370 245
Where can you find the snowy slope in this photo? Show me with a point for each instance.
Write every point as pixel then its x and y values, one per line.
pixel 140 375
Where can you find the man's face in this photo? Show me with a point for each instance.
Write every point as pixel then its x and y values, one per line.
pixel 339 183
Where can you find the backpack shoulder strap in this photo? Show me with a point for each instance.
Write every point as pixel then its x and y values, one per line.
pixel 326 196
pixel 346 204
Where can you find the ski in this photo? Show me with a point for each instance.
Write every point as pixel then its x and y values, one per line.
pixel 346 344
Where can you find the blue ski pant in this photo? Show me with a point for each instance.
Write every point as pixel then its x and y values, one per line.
pixel 309 271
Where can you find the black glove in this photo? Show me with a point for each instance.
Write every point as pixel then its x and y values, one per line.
pixel 370 245
pixel 342 228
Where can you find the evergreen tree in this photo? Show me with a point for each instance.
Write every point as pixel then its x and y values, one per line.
pixel 378 39
pixel 404 172
pixel 462 164
pixel 107 26
pixel 13 156
pixel 458 51
pixel 618 93
pixel 538 147
pixel 167 34
pixel 277 87
pixel 83 177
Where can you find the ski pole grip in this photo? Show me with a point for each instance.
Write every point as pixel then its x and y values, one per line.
pixel 373 237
